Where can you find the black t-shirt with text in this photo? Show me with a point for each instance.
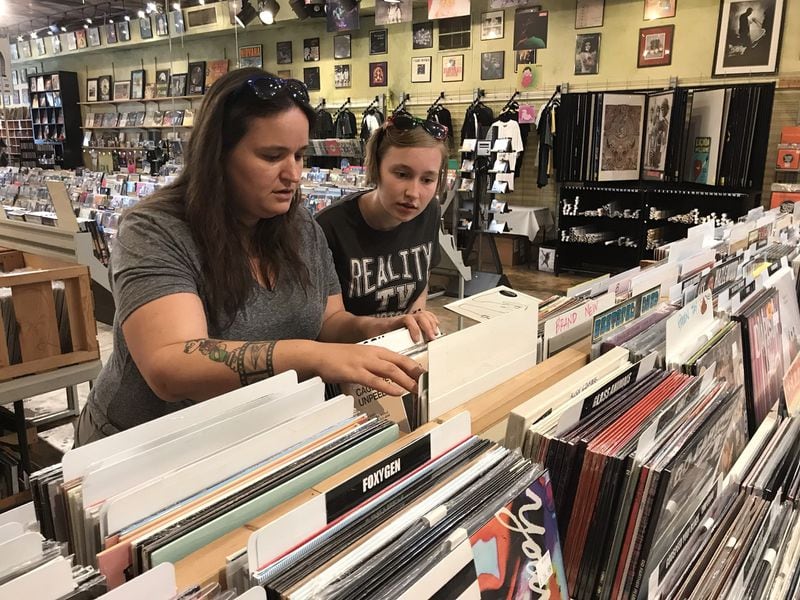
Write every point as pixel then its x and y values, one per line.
pixel 382 273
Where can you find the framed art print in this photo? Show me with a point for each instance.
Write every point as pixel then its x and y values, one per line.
pixel 104 88
pixel 659 9
pixel 91 90
pixel 422 35
pixel 655 46
pixel 145 29
pixel 453 67
pixel 492 25
pixel 111 33
pixel 137 84
pixel 161 25
pixel 589 13
pixel 311 78
pixel 391 12
pixel 748 37
pixel 341 76
pixel 493 65
pixel 56 42
pixel 587 54
pixel 162 83
pixel 421 69
pixel 71 40
pixel 378 41
pixel 378 74
pixel 342 46
pixel 80 37
pixel 285 73
pixel 40 49
pixel 124 31
pixel 177 85
pixel 251 56
pixel 14 51
pixel 283 53
pixel 311 49
pixel 122 90
pixel 93 36
pixel 197 78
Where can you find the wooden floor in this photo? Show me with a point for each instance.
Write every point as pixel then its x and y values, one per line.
pixel 523 279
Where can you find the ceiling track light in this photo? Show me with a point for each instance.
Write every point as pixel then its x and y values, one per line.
pixel 267 10
pixel 246 15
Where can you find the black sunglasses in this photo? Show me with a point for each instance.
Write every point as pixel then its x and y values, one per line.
pixel 406 122
pixel 265 87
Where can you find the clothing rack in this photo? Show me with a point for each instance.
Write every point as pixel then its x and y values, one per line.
pixel 321 105
pixel 371 104
pixel 402 106
pixel 436 103
pixel 341 108
pixel 510 101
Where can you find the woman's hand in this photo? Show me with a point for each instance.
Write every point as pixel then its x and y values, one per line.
pixel 378 368
pixel 420 324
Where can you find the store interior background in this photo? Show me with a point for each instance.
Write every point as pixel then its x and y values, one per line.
pixel 693 51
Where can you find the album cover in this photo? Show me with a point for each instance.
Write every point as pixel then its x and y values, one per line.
pixel 214 70
pixel 659 114
pixel 705 136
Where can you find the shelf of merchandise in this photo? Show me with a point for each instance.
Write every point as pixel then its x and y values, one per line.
pixel 133 148
pixel 142 127
pixel 141 100
pixel 61 147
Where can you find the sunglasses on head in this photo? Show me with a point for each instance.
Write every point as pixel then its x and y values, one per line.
pixel 406 122
pixel 265 87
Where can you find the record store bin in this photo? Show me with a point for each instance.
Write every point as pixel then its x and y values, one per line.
pixel 47 314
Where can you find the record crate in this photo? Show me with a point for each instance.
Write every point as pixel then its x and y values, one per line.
pixel 37 318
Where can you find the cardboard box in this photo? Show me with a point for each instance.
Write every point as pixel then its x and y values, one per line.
pixel 513 249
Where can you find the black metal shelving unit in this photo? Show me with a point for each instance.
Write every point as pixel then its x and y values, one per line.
pixel 56 119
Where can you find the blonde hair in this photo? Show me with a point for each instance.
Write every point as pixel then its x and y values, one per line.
pixel 388 136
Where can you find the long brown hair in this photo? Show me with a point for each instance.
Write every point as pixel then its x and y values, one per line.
pixel 200 197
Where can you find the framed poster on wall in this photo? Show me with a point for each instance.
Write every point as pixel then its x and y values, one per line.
pixel 748 37
pixel 589 13
pixel 250 56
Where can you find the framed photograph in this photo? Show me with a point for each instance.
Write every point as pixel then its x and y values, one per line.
pixel 104 88
pixel 378 41
pixel 493 65
pixel 655 46
pixel 91 90
pixel 251 56
pixel 342 46
pixel 589 13
pixel 111 33
pixel 145 29
pixel 137 84
pixel 342 15
pixel 150 91
pixel 423 35
pixel 71 40
pixel 587 54
pixel 14 78
pixel 391 12
pixel 122 90
pixel 93 36
pixel 40 49
pixel 378 74
pixel 311 78
pixel 197 78
pixel 161 25
pixel 177 85
pixel 14 51
pixel 283 53
pixel 453 67
pixel 659 9
pixel 25 48
pixel 748 37
pixel 124 31
pixel 285 73
pixel 55 41
pixel 80 37
pixel 341 76
pixel 492 25
pixel 311 49
pixel 421 69
pixel 437 9
pixel 162 83
pixel 530 29
pixel 177 21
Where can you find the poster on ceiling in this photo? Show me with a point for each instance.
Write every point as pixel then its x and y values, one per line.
pixel 446 9
pixel 342 15
pixel 390 12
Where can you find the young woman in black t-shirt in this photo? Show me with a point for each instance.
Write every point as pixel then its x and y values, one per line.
pixel 384 241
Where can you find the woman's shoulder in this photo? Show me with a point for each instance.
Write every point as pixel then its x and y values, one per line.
pixel 150 222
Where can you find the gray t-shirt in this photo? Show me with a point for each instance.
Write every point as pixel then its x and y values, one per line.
pixel 154 256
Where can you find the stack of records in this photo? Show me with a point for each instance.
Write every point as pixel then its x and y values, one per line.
pixel 474 521
pixel 32 566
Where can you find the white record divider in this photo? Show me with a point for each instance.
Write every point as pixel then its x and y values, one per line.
pixel 156 584
pixel 438 577
pixel 24 514
pixel 50 581
pixel 286 532
pixel 21 549
pixel 171 487
pixel 9 531
pixel 472 361
pixel 113 478
pixel 76 462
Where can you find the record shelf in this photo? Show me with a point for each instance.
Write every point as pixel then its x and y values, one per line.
pixel 56 119
pixel 658 212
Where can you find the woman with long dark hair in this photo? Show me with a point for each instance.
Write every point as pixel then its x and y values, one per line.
pixel 222 279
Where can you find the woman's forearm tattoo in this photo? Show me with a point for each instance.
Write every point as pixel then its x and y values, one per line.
pixel 252 360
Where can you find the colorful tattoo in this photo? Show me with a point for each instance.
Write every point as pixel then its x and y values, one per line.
pixel 252 360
